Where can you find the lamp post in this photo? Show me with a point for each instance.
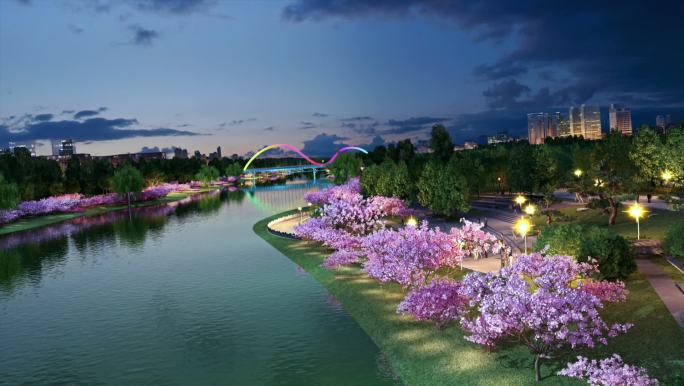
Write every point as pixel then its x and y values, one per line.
pixel 520 200
pixel 522 227
pixel 498 179
pixel 637 211
pixel 300 214
pixel 530 209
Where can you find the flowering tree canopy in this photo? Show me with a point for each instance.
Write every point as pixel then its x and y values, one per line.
pixel 608 372
pixel 440 301
pixel 545 302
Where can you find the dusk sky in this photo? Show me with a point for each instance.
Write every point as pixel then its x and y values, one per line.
pixel 120 75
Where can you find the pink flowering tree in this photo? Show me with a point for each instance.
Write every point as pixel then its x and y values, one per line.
pixel 474 241
pixel 608 372
pixel 544 302
pixel 440 301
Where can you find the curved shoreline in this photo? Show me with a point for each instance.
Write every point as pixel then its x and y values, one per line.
pixel 417 352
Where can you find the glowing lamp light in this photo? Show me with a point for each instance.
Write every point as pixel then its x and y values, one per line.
pixel 637 211
pixel 578 173
pixel 520 199
pixel 412 222
pixel 522 227
pixel 598 182
pixel 530 209
pixel 667 176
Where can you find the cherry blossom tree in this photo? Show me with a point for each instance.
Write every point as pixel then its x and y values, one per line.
pixel 608 372
pixel 440 301
pixel 546 303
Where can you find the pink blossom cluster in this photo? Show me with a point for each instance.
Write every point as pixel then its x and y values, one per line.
pixel 608 372
pixel 606 291
pixel 471 238
pixel 340 192
pixel 340 258
pixel 407 256
pixel 440 301
pixel 154 193
pixel 536 300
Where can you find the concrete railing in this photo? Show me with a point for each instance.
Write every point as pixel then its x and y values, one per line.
pixel 276 232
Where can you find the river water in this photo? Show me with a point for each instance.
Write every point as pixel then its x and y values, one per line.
pixel 181 294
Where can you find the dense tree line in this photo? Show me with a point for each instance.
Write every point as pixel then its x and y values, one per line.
pixel 32 178
pixel 443 180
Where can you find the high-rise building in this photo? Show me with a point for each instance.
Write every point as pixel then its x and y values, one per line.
pixel 180 153
pixel 536 128
pixel 500 137
pixel 663 121
pixel 563 127
pixel 218 152
pixel 67 147
pixel 620 119
pixel 575 121
pixel 586 121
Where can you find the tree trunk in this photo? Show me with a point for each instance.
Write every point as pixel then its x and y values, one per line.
pixel 637 197
pixel 613 211
pixel 537 367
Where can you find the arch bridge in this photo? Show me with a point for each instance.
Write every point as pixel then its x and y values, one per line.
pixel 313 166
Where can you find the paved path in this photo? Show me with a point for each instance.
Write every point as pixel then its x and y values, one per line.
pixel 665 287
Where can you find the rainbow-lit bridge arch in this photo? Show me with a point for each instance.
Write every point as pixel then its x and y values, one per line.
pixel 307 158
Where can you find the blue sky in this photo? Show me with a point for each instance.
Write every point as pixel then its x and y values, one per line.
pixel 201 73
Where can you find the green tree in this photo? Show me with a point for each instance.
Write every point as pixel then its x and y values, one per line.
pixel 443 189
pixel 674 155
pixel 610 250
pixel 613 170
pixel 646 153
pixel 126 181
pixel 346 166
pixel 72 176
pixel 234 170
pixel 207 174
pixel 402 182
pixel 561 239
pixel 9 194
pixel 521 168
pixel 441 144
pixel 384 186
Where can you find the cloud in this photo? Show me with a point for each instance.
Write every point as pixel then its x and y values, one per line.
pixel 411 124
pixel 175 7
pixel 92 129
pixel 354 119
pixel 143 36
pixel 375 142
pixel 157 149
pixel 43 117
pixel 75 29
pixel 363 128
pixel 323 145
pixel 270 128
pixel 237 122
pixel 306 125
pixel 605 59
pixel 320 115
pixel 86 113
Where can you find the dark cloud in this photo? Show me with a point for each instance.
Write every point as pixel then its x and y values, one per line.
pixel 68 111
pixel 270 128
pixel 363 128
pixel 595 45
pixel 355 119
pixel 375 142
pixel 323 145
pixel 320 115
pixel 92 129
pixel 143 36
pixel 75 29
pixel 87 113
pixel 43 117
pixel 306 125
pixel 176 7
pixel 412 124
pixel 157 149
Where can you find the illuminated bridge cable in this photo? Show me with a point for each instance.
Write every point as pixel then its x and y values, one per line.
pixel 294 149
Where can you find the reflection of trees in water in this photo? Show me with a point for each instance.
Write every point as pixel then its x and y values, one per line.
pixel 24 256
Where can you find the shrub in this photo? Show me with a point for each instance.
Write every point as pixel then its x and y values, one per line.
pixel 562 239
pixel 674 242
pixel 611 250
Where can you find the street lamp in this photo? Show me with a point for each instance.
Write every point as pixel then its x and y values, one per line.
pixel 522 227
pixel 412 222
pixel 520 199
pixel 300 214
pixel 637 211
pixel 578 173
pixel 530 209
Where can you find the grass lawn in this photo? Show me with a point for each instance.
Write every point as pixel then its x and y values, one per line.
pixel 423 355
pixel 653 227
pixel 36 222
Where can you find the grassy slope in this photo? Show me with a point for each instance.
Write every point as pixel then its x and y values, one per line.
pixel 36 222
pixel 423 355
pixel 653 227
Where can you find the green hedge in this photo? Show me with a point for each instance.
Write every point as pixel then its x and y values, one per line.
pixel 673 244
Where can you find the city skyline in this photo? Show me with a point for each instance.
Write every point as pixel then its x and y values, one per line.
pixel 117 77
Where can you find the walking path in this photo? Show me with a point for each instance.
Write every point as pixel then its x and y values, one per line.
pixel 665 287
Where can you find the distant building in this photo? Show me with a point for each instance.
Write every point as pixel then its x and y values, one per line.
pixel 469 145
pixel 216 154
pixel 563 126
pixel 500 137
pixel 67 147
pixel 180 153
pixel 663 122
pixel 620 118
pixel 536 128
pixel 151 156
pixel 198 155
pixel 586 121
pixel 31 147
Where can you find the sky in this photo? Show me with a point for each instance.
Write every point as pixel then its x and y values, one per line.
pixel 122 76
